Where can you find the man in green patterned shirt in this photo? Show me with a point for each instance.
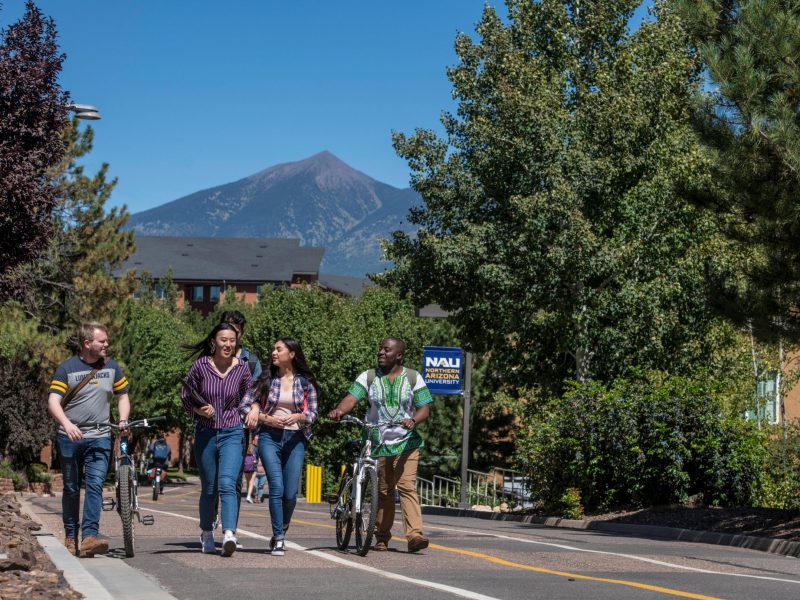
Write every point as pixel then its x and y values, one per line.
pixel 398 395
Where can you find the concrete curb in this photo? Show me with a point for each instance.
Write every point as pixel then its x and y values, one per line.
pixel 750 542
pixel 115 572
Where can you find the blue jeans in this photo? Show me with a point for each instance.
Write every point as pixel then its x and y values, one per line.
pixel 218 453
pixel 91 455
pixel 281 452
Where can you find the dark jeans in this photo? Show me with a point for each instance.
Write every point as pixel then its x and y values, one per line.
pixel 282 452
pixel 90 455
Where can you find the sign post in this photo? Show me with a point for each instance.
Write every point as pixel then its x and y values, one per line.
pixel 442 372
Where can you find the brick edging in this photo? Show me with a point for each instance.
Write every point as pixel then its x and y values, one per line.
pixel 750 542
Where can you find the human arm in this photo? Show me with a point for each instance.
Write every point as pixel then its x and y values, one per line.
pixel 420 415
pixel 124 408
pixel 54 408
pixel 248 407
pixel 345 405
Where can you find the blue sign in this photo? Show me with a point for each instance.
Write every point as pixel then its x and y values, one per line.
pixel 441 369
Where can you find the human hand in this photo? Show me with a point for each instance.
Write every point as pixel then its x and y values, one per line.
pixel 336 414
pixel 123 424
pixel 206 411
pixel 251 418
pixel 408 423
pixel 73 432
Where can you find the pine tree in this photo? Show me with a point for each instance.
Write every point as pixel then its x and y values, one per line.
pixel 551 223
pixel 749 118
pixel 32 114
pixel 74 280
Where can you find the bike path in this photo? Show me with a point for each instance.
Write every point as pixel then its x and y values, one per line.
pixel 468 557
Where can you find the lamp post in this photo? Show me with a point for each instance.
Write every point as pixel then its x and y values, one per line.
pixel 87 112
pixel 435 311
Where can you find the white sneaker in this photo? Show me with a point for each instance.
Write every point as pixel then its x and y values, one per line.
pixel 228 543
pixel 249 500
pixel 239 545
pixel 207 542
pixel 278 549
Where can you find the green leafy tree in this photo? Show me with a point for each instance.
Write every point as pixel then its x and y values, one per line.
pixel 151 348
pixel 554 195
pixel 32 115
pixel 748 118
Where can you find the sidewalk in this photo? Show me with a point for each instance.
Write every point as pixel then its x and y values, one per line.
pixel 99 578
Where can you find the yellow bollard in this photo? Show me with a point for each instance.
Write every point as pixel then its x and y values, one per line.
pixel 313 483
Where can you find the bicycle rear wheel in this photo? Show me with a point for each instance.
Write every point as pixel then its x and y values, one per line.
pixel 344 518
pixel 365 518
pixel 156 486
pixel 125 503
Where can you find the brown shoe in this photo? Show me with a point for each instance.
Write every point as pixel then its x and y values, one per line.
pixel 418 543
pixel 71 544
pixel 380 547
pixel 93 544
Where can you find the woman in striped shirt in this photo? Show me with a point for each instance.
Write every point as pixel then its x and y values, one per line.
pixel 215 395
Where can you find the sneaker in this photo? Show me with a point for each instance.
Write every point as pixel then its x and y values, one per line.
pixel 278 549
pixel 92 545
pixel 228 543
pixel 207 542
pixel 249 500
pixel 380 547
pixel 239 545
pixel 71 544
pixel 271 543
pixel 418 543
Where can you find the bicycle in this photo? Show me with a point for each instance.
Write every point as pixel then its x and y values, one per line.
pixel 157 474
pixel 126 483
pixel 355 506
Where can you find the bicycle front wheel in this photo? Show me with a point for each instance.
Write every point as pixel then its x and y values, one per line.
pixel 156 486
pixel 365 517
pixel 344 518
pixel 125 503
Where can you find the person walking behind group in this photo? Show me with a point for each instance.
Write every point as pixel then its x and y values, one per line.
pixel 215 395
pixel 257 493
pixel 397 394
pixel 81 392
pixel 250 460
pixel 288 397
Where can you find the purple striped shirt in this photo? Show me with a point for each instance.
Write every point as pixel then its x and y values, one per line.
pixel 228 396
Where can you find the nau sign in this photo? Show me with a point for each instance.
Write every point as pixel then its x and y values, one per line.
pixel 441 369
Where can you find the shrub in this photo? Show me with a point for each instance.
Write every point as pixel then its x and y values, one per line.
pixel 38 473
pixel 644 440
pixel 781 482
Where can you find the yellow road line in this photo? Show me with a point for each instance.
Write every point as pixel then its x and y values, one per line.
pixel 515 565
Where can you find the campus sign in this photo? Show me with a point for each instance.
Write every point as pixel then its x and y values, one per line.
pixel 441 369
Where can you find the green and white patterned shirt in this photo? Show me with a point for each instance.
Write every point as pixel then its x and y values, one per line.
pixel 391 401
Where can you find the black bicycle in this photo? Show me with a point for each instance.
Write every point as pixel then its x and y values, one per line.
pixel 125 482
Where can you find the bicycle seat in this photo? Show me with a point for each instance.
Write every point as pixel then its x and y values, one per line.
pixel 353 446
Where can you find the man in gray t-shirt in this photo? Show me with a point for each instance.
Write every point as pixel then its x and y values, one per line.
pixel 81 447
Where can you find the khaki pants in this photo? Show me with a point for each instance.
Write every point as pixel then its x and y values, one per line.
pixel 398 472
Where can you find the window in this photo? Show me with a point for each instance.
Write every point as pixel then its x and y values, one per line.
pixel 213 294
pixel 196 293
pixel 158 291
pixel 766 399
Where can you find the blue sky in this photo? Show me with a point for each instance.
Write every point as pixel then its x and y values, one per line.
pixel 201 93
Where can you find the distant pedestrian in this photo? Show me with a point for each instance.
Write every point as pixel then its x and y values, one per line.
pixel 215 395
pixel 257 493
pixel 288 397
pixel 399 395
pixel 250 460
pixel 81 392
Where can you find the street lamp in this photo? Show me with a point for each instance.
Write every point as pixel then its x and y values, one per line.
pixel 437 312
pixel 87 112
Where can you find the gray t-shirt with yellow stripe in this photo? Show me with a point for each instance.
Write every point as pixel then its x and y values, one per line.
pixel 93 402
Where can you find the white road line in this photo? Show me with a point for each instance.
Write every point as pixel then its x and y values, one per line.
pixel 354 565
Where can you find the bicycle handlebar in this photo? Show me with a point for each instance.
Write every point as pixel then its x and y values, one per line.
pixel 360 423
pixel 131 424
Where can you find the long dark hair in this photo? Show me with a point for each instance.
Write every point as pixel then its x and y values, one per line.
pixel 204 346
pixel 299 365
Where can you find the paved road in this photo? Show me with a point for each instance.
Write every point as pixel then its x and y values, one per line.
pixel 469 558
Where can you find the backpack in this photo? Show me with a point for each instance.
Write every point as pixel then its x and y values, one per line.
pixel 411 375
pixel 160 451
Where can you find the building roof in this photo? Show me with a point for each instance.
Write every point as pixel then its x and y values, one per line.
pixel 229 259
pixel 345 284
